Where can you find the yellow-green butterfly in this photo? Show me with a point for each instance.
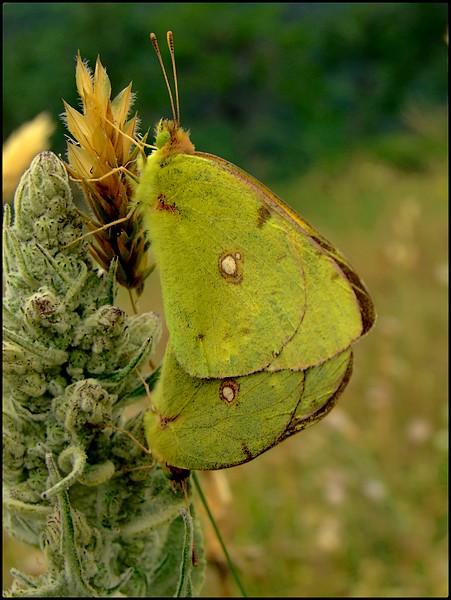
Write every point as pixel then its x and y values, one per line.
pixel 262 310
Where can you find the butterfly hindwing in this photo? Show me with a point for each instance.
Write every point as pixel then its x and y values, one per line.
pixel 217 423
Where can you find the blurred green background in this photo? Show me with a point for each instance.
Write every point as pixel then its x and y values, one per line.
pixel 341 109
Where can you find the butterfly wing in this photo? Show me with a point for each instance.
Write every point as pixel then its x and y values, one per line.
pixel 247 284
pixel 217 423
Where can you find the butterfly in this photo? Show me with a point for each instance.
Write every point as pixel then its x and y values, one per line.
pixel 261 309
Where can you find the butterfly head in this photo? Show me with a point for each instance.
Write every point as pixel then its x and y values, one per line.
pixel 170 138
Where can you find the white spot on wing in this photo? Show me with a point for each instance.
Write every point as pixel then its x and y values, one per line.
pixel 231 266
pixel 228 390
pixel 228 393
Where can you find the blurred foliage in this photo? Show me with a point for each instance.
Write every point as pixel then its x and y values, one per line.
pixel 339 106
pixel 271 87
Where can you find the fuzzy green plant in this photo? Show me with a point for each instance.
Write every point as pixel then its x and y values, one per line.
pixel 107 520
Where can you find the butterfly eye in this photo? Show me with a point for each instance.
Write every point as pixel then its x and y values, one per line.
pixel 162 138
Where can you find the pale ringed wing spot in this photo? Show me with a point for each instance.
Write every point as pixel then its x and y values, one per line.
pixel 228 391
pixel 230 265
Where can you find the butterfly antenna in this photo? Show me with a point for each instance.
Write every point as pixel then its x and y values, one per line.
pixel 153 39
pixel 170 39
